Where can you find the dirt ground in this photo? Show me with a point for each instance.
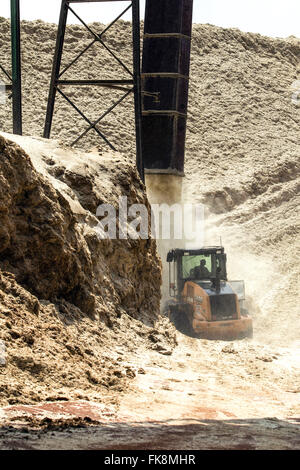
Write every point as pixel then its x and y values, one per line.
pixel 182 401
pixel 120 382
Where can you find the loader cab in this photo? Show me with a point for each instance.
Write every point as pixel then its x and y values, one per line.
pixel 205 266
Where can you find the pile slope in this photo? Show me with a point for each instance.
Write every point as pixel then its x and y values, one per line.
pixel 72 305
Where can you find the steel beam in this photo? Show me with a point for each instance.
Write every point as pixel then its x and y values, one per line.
pixel 15 81
pixel 56 66
pixel 16 67
pixel 137 85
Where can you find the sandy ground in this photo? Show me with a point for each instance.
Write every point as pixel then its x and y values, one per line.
pixel 182 401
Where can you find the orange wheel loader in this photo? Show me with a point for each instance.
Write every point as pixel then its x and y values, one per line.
pixel 202 297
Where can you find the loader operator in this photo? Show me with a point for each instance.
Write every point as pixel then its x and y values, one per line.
pixel 201 271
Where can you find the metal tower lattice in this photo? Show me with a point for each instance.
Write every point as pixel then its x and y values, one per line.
pixel 132 84
pixel 14 80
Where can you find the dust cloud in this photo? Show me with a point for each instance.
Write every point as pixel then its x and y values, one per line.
pixel 165 189
pixel 271 297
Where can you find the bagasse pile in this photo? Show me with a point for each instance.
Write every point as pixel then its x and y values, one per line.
pixel 47 236
pixel 71 305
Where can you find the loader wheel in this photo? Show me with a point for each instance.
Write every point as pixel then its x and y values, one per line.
pixel 166 308
pixel 181 322
pixel 244 312
pixel 249 332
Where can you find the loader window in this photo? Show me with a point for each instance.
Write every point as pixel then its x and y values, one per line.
pixel 204 266
pixel 191 266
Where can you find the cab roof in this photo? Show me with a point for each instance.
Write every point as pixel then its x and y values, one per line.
pixel 207 250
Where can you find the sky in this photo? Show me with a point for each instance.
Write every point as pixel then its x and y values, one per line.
pixel 277 18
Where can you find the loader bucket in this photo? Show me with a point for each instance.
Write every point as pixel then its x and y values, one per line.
pixel 228 330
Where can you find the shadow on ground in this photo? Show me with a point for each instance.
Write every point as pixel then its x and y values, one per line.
pixel 235 434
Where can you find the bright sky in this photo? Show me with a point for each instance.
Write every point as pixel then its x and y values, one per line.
pixel 279 18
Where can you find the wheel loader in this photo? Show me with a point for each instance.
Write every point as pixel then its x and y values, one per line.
pixel 201 295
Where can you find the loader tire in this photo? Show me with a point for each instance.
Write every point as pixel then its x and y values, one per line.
pixel 181 322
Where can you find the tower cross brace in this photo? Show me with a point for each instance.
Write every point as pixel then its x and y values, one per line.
pixel 132 84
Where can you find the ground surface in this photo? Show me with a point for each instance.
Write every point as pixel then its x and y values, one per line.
pixel 205 395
